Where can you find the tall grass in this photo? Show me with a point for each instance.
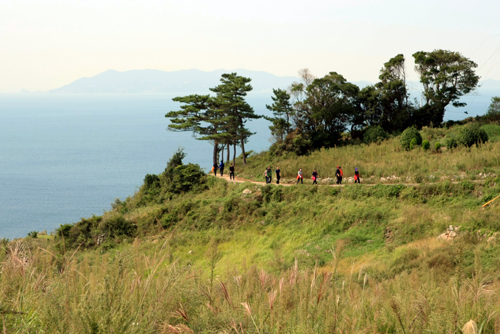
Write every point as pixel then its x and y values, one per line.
pixel 137 293
pixel 382 160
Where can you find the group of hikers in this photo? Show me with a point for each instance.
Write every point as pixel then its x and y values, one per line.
pixel 268 174
pixel 300 175
pixel 221 169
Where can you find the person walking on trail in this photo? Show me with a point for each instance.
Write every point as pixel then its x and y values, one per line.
pixel 300 177
pixel 221 167
pixel 231 172
pixel 278 175
pixel 214 169
pixel 357 177
pixel 339 173
pixel 269 174
pixel 315 177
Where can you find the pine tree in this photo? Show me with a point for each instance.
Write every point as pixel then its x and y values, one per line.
pixel 202 115
pixel 282 111
pixel 231 99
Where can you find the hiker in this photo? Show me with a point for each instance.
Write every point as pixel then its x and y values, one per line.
pixel 278 176
pixel 269 174
pixel 300 177
pixel 357 177
pixel 214 169
pixel 339 173
pixel 315 177
pixel 221 167
pixel 231 172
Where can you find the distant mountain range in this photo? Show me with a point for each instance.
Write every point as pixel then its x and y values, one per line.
pixel 155 81
pixel 196 81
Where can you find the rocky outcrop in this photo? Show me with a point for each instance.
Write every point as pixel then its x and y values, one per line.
pixel 450 234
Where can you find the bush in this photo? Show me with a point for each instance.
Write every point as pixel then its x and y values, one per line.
pixel 451 143
pixel 413 143
pixel 374 134
pixel 151 180
pixel 472 134
pixel 175 160
pixel 116 225
pixel 294 142
pixel 437 147
pixel 33 234
pixel 426 145
pixel 186 178
pixel 408 135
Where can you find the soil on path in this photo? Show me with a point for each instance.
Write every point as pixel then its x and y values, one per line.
pixel 242 180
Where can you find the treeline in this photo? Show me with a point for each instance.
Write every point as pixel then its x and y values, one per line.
pixel 316 112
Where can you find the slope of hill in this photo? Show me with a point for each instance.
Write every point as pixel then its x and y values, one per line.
pixel 243 258
pixel 155 81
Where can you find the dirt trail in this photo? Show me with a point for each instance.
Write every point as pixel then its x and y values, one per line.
pixel 242 180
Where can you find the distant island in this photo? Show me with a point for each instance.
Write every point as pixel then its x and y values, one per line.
pixel 156 82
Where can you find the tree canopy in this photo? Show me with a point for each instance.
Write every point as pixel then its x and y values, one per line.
pixel 221 118
pixel 446 76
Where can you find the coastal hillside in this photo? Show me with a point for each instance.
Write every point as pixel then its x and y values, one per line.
pixel 194 253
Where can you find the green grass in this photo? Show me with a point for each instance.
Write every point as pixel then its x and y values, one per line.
pixel 386 159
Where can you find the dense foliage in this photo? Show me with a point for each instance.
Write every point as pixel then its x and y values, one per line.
pixel 472 134
pixel 375 134
pixel 410 135
pixel 322 110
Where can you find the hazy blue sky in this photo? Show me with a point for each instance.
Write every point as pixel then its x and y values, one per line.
pixel 45 44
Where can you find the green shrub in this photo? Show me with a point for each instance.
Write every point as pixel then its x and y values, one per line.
pixel 472 134
pixel 33 234
pixel 294 142
pixel 407 137
pixel 451 143
pixel 151 181
pixel 426 145
pixel 437 146
pixel 63 230
pixel 374 134
pixel 116 225
pixel 186 178
pixel 175 160
pixel 413 143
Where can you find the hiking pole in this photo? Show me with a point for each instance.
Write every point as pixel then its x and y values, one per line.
pixel 485 204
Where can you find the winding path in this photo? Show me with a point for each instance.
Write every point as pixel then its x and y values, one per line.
pixel 242 180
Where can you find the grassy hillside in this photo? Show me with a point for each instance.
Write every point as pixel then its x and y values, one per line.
pixel 240 258
pixel 388 158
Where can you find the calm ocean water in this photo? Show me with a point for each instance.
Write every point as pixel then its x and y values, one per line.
pixel 67 157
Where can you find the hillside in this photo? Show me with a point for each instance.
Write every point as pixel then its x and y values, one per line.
pixel 190 253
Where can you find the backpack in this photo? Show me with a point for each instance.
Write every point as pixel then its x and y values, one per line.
pixel 341 172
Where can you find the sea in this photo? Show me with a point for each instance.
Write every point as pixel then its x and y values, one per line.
pixel 67 157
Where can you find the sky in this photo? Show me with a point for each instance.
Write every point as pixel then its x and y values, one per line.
pixel 45 44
